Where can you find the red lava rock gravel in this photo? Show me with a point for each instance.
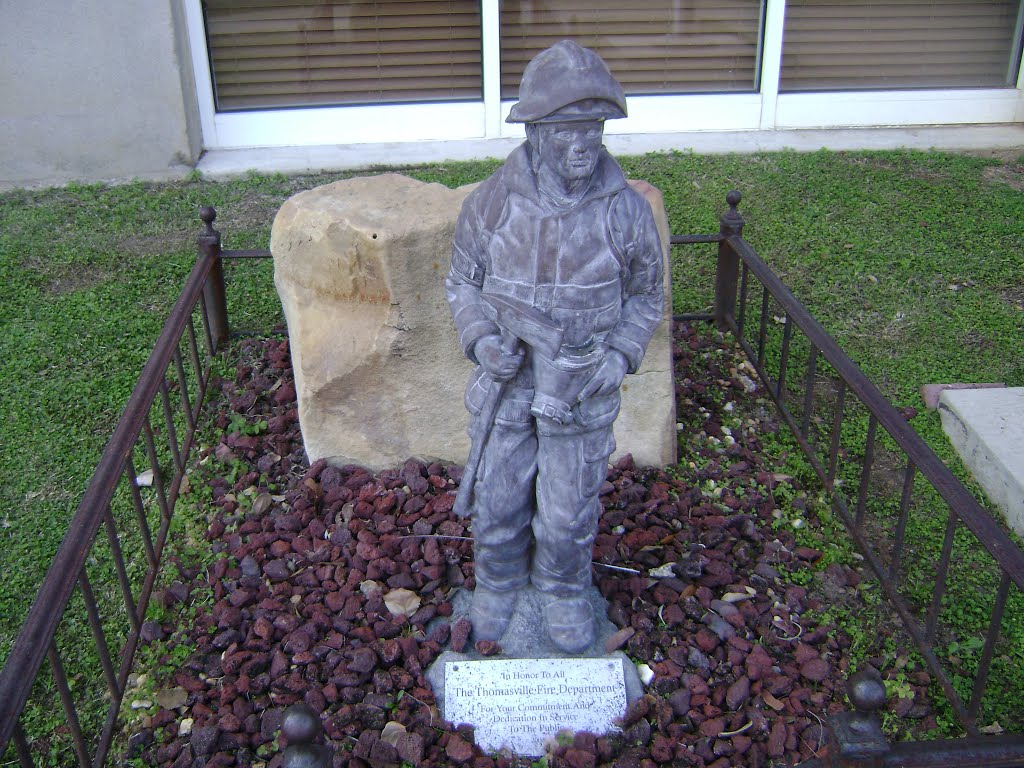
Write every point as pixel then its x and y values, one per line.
pixel 293 603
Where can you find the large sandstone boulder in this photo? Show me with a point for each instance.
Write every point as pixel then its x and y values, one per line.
pixel 360 267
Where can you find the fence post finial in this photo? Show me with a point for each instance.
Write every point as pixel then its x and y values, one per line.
pixel 208 214
pixel 727 272
pixel 857 736
pixel 214 291
pixel 301 726
pixel 731 220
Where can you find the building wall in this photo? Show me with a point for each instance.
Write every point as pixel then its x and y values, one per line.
pixel 92 91
pixel 121 89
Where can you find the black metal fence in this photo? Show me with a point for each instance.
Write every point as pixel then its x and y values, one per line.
pixel 815 404
pixel 156 434
pixel 819 390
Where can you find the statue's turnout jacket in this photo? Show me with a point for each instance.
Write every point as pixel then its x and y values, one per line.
pixel 594 267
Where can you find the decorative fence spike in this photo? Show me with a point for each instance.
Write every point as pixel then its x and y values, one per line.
pixel 301 727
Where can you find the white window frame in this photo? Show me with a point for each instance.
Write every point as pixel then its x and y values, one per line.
pixel 314 126
pixel 766 109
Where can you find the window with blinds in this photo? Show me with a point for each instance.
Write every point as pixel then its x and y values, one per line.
pixel 268 55
pixel 866 44
pixel 651 46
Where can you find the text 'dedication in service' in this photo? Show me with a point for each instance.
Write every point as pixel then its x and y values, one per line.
pixel 518 704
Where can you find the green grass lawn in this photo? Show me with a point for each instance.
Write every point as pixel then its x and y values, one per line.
pixel 913 261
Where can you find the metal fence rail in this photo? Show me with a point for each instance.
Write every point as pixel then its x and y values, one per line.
pixel 817 423
pixel 114 500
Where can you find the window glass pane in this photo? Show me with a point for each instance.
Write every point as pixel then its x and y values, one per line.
pixel 287 53
pixel 865 44
pixel 651 46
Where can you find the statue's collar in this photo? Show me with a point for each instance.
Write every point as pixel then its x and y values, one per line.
pixel 520 177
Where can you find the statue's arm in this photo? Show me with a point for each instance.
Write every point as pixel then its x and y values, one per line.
pixel 466 276
pixel 635 236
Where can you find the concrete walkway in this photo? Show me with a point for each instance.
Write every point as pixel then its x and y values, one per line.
pixel 986 426
pixel 227 163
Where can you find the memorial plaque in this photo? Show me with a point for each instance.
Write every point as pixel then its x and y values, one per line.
pixel 517 704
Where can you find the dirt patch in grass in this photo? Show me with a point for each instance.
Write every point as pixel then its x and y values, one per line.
pixel 1014 295
pixel 889 164
pixel 154 245
pixel 254 212
pixel 52 491
pixel 69 279
pixel 1010 173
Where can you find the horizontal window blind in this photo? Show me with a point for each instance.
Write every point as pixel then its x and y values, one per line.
pixel 651 46
pixel 266 54
pixel 865 44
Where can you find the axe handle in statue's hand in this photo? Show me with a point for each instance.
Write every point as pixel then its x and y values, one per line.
pixel 481 431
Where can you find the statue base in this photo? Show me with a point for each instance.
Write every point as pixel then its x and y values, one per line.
pixel 526 638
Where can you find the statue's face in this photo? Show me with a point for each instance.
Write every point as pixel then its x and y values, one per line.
pixel 571 149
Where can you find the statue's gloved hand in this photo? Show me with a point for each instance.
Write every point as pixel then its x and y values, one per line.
pixel 499 365
pixel 608 376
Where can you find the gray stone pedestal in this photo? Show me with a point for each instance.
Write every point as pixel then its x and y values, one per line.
pixel 526 639
pixel 986 426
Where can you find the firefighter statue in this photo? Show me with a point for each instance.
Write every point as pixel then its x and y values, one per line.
pixel 555 288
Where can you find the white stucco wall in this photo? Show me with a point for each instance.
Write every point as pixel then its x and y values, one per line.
pixel 94 91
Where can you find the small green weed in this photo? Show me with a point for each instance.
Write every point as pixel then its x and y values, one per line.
pixel 242 426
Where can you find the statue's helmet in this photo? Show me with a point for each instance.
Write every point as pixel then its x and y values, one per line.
pixel 567 82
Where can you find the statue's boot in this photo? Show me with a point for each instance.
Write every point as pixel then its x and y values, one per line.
pixel 570 623
pixel 491 612
pixel 562 573
pixel 501 571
